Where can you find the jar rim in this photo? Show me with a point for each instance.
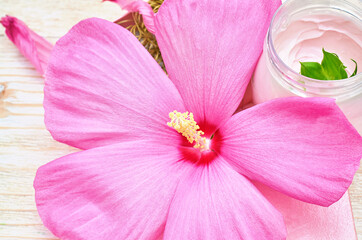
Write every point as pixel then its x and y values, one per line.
pixel 281 64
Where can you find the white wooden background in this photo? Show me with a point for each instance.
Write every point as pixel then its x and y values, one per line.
pixel 24 142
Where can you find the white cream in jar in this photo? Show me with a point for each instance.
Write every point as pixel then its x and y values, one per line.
pixel 298 32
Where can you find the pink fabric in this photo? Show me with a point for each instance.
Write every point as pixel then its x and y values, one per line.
pixel 303 147
pixel 103 87
pixel 34 47
pixel 139 6
pixel 305 221
pixel 120 191
pixel 210 49
pixel 215 202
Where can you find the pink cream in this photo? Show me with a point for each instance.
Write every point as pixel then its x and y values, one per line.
pixel 303 40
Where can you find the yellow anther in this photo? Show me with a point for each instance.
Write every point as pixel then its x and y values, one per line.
pixel 185 124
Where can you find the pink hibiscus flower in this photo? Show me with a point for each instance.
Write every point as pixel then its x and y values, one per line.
pixel 31 45
pixel 138 178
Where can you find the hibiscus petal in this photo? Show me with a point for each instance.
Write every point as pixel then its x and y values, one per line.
pixel 303 147
pixel 122 3
pixel 103 87
pixel 120 191
pixel 215 202
pixel 139 6
pixel 34 47
pixel 210 49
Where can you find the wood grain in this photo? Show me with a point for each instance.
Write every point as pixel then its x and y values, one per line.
pixel 25 144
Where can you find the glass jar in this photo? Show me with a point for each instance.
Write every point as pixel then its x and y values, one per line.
pixel 298 32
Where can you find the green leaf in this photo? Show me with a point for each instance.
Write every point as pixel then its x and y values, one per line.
pixel 331 68
pixel 312 70
pixel 355 69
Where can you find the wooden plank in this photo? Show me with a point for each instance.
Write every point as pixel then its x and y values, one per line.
pixel 25 144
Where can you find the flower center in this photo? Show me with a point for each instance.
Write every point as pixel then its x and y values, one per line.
pixel 185 124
